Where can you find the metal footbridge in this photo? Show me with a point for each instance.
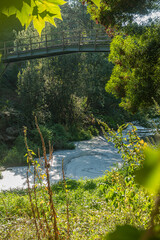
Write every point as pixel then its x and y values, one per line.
pixel 60 43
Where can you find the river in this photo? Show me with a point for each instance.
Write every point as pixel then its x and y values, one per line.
pixel 89 159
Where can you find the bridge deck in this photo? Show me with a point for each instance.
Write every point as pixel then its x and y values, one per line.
pixel 50 45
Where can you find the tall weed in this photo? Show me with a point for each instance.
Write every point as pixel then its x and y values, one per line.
pixel 44 213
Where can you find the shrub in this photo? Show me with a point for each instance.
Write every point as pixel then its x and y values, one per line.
pixel 56 135
pixel 94 131
pixel 14 157
pixel 47 134
pixel 78 134
pixel 3 152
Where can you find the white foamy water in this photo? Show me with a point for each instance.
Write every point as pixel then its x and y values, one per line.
pixel 90 159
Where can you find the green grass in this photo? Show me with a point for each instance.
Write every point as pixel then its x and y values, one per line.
pixel 95 207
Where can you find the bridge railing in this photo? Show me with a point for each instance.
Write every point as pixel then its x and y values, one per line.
pixel 63 39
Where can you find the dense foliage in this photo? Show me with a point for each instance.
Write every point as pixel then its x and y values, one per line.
pixel 117 13
pixel 135 76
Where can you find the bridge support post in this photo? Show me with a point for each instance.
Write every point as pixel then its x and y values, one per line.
pixel 79 42
pixel 46 42
pixel 95 40
pixel 31 45
pixel 63 40
pixel 17 48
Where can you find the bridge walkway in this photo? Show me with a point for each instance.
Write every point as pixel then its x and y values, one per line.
pixel 48 45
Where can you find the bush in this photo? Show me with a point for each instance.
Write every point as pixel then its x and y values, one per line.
pixel 46 132
pixel 78 134
pixel 94 131
pixel 57 135
pixel 85 134
pixel 14 158
pixel 3 152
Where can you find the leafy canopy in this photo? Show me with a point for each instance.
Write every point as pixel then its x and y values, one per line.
pixel 135 76
pixel 37 11
pixel 116 13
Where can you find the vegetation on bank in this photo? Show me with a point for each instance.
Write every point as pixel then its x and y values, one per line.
pixel 84 208
pixel 95 208
pixel 56 135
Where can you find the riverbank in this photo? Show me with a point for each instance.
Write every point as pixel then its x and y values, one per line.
pixel 95 206
pixel 89 159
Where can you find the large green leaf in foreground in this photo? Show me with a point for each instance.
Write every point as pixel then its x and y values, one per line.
pixel 149 174
pixel 128 232
pixel 124 233
pixel 38 11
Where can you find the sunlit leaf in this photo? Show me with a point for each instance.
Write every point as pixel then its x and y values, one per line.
pixel 24 13
pixel 37 11
pixel 59 2
pixel 39 24
pixel 50 20
pixel 149 175
pixel 96 2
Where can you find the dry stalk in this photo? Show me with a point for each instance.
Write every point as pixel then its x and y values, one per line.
pixel 67 202
pixel 47 225
pixel 53 214
pixel 29 157
pixel 32 207
pixel 45 221
pixel 36 206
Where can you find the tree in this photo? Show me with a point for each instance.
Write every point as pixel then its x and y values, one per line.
pixel 118 13
pixel 136 75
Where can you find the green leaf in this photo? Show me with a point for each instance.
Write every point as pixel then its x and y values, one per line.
pixel 50 19
pixel 24 13
pixel 39 24
pixel 11 3
pixel 49 7
pixel 59 2
pixel 96 2
pixel 37 11
pixel 9 11
pixel 149 174
pixel 126 232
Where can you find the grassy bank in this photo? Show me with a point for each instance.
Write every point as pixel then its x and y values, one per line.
pixel 95 208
